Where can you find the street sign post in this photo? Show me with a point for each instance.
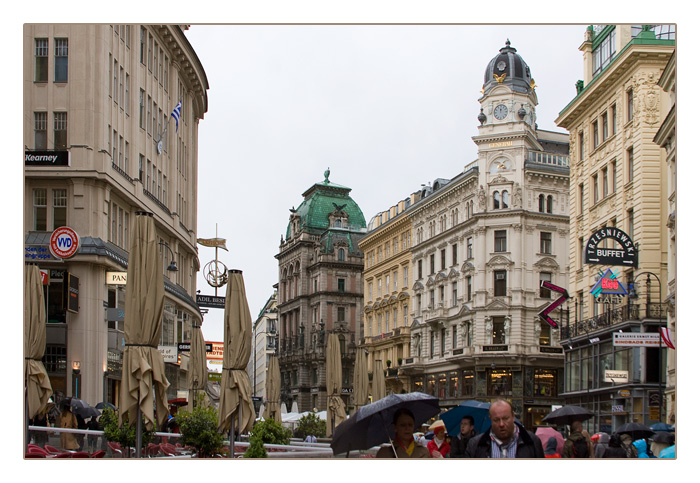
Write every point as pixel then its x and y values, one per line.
pixel 545 313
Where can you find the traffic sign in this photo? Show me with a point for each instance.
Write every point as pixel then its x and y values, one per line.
pixel 545 313
pixel 64 242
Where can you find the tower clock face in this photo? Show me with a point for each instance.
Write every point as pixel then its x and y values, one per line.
pixel 500 112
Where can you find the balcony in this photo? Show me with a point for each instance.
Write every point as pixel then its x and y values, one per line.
pixel 625 313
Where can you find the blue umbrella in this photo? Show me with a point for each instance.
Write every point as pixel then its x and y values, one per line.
pixel 662 427
pixel 476 409
pixel 669 452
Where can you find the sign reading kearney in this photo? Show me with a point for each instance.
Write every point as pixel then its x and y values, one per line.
pixel 47 158
pixel 625 256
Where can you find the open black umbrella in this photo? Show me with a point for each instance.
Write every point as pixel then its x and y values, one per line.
pixel 371 424
pixel 106 405
pixel 636 430
pixel 567 415
pixel 86 413
pixel 664 437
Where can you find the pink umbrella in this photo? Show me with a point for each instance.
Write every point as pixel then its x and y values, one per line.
pixel 546 432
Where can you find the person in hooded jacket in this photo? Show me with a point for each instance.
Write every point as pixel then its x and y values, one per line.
pixel 641 446
pixel 550 450
pixel 615 448
pixel 601 445
pixel 578 444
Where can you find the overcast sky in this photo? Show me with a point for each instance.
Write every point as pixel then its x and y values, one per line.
pixel 386 108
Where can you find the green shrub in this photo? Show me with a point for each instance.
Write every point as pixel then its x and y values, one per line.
pixel 125 435
pixel 199 429
pixel 266 432
pixel 310 424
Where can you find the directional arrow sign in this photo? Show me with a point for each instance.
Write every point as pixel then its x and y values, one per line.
pixel 545 313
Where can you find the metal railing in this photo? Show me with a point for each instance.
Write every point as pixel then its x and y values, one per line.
pixel 612 317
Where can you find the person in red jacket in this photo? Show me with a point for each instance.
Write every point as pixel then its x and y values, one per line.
pixel 438 446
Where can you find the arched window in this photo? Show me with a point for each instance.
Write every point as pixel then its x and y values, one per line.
pixel 341 254
pixel 541 204
pixel 337 223
pixel 505 199
pixel 550 202
pixel 496 200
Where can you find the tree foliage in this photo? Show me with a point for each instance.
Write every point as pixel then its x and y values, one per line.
pixel 266 432
pixel 125 435
pixel 310 424
pixel 199 428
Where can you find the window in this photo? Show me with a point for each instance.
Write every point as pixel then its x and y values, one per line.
pixel 504 199
pixel 341 314
pixel 60 60
pixel 550 203
pixel 454 254
pixel 443 259
pixel 614 176
pixel 396 317
pixel 604 175
pixel 41 60
pixel 545 293
pixel 379 324
pixel 40 125
pixel 604 121
pixel 369 289
pixel 496 200
pixel 469 288
pixel 454 294
pixel 594 182
pixel 40 209
pixel 580 146
pixel 369 325
pixel 614 119
pixel 142 46
pixel 141 168
pixel 498 336
pixel 630 164
pixel 142 111
pixel 115 80
pixel 165 74
pixel 405 276
pixel 630 223
pixel 419 307
pixel 121 87
pixel 379 287
pixel 630 105
pixel 148 114
pixel 420 269
pixel 540 205
pixel 341 255
pixel 470 248
pixel 500 241
pixel 594 128
pixel 604 53
pixel 499 283
pixel 581 253
pixel 341 285
pixel 580 198
pixel 432 264
pixel 442 295
pixel 149 58
pixel 60 130
pixel 396 281
pixel 127 97
pixel 546 242
pixel 432 299
pixel 405 315
pixel 114 147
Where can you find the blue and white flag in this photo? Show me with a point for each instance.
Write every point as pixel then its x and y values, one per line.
pixel 176 114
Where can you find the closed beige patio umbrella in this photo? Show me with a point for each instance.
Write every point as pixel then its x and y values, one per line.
pixel 273 384
pixel 378 382
pixel 334 384
pixel 236 393
pixel 197 372
pixel 143 369
pixel 37 384
pixel 360 392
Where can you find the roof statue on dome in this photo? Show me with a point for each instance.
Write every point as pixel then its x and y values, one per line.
pixel 326 174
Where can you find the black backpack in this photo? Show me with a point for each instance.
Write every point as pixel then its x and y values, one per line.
pixel 580 448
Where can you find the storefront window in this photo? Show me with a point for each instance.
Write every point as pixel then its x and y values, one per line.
pixel 545 382
pixel 467 383
pixel 500 382
pixel 574 372
pixel 442 386
pixel 417 384
pixel 454 385
pixel 430 389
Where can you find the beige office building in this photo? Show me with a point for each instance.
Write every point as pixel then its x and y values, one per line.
pixel 388 279
pixel 619 209
pixel 101 145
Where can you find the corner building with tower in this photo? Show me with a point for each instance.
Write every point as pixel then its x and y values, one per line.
pixel 481 243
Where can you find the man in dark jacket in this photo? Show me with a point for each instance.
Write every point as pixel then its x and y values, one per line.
pixel 506 439
pixel 458 445
pixel 578 444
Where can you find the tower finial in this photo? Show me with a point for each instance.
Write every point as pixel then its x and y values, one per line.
pixel 326 174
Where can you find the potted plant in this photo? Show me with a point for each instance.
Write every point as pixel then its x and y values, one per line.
pixel 268 431
pixel 123 434
pixel 199 429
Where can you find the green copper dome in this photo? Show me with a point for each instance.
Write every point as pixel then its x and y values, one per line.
pixel 326 200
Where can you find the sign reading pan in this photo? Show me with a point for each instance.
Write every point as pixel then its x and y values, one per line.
pixel 625 256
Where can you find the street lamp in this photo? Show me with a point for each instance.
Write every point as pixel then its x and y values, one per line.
pixel 173 266
pixel 76 379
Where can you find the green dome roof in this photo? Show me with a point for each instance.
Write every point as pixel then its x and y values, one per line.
pixel 323 199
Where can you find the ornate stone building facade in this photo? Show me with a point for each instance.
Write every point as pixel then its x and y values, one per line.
pixel 482 243
pixel 99 99
pixel 319 291
pixel 619 180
